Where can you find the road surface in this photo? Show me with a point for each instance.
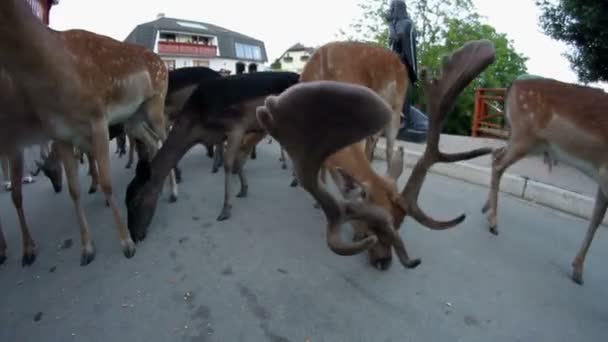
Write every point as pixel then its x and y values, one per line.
pixel 267 274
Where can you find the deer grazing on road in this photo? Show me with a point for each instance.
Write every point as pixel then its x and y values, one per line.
pixel 218 110
pixel 325 124
pixel 69 86
pixel 568 122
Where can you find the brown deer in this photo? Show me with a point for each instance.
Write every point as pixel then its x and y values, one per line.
pixel 325 123
pixel 569 123
pixel 71 86
pixel 220 109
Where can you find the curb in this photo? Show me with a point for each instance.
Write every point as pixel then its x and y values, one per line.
pixel 521 187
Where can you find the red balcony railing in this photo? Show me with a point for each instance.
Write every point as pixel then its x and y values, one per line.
pixel 489 117
pixel 189 49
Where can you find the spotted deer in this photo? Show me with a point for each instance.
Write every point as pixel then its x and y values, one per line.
pixel 323 121
pixel 69 86
pixel 567 122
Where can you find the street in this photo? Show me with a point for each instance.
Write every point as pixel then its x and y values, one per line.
pixel 267 274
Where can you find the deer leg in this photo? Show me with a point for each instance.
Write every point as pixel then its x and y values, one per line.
pixel 500 163
pixel 70 165
pixel 93 172
pixel 101 153
pixel 254 154
pixel 5 173
pixel 131 152
pixel 282 159
pixel 2 245
pixel 244 185
pixel 599 211
pixel 29 246
pixel 218 158
pixel 232 147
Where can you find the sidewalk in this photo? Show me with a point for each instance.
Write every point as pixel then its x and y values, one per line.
pixel 564 188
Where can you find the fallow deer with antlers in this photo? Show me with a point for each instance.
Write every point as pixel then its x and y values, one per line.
pixel 324 122
pixel 72 85
pixel 568 122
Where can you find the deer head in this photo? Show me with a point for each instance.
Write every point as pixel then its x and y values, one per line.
pixel 337 114
pixel 316 119
pixel 51 168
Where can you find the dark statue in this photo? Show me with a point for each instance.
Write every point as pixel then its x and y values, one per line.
pixel 402 40
pixel 402 36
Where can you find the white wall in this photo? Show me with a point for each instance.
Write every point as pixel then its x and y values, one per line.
pixel 230 64
pixel 296 65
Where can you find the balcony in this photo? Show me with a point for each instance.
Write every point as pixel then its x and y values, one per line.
pixel 187 49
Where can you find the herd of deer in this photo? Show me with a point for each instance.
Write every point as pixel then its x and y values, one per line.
pixel 78 90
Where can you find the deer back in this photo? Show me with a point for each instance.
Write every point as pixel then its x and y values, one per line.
pixel 366 64
pixel 570 118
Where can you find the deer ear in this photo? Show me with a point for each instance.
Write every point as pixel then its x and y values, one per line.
pixel 142 171
pixel 265 119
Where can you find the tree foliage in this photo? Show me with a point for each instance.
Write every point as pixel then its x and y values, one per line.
pixel 443 26
pixel 583 25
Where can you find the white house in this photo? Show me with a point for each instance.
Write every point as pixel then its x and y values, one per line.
pixel 294 58
pixel 183 43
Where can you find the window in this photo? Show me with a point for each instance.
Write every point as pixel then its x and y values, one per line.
pixel 246 51
pixel 167 37
pixel 200 62
pixel 170 63
pixel 304 58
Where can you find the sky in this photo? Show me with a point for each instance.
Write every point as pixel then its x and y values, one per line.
pixel 282 23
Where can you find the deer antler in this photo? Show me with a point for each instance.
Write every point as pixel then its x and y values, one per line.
pixel 313 120
pixel 458 70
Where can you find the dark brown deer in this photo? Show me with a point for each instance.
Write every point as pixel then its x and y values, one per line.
pixel 315 122
pixel 69 86
pixel 569 123
pixel 219 109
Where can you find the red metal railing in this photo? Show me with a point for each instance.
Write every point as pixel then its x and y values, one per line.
pixel 189 49
pixel 488 118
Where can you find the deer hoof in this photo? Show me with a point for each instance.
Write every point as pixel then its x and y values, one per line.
pixel 128 166
pixel 88 254
pixel 413 263
pixel 2 259
pixel 128 248
pixel 92 189
pixel 383 264
pixel 294 183
pixel 485 208
pixel 284 167
pixel 242 193
pixel 494 230
pixel 224 215
pixel 577 277
pixel 173 198
pixel 316 206
pixel 215 170
pixel 28 257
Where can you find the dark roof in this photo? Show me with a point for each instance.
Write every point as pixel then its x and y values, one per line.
pixel 300 47
pixel 145 34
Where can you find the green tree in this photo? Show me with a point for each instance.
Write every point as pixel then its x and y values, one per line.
pixel 582 25
pixel 507 66
pixel 276 65
pixel 443 26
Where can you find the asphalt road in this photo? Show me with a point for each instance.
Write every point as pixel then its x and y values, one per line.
pixel 267 275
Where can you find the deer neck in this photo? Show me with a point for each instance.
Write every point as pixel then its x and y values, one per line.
pixel 179 141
